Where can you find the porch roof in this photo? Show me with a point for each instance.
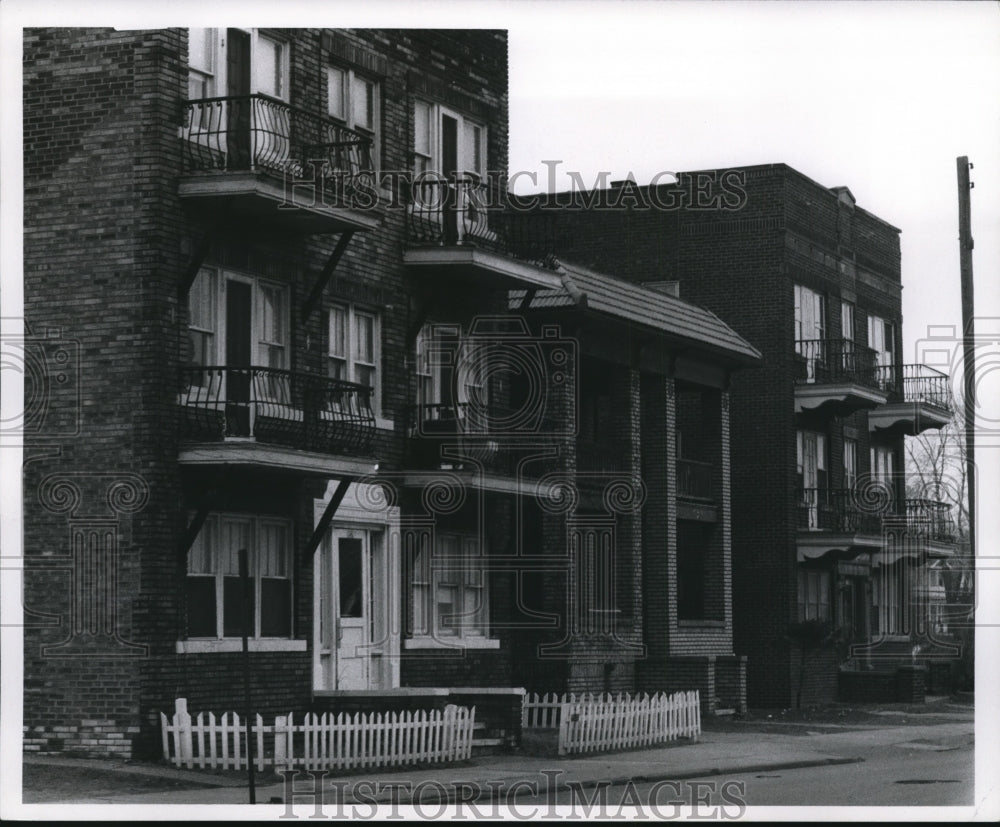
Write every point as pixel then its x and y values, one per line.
pixel 671 317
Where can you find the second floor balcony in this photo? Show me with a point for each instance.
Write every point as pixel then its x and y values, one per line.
pixel 275 164
pixel 836 376
pixel 919 398
pixel 863 519
pixel 483 439
pixel 461 229
pixel 274 418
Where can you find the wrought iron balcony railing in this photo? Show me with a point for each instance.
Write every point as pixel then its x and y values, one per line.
pixel 450 435
pixel 869 510
pixel 842 510
pixel 277 407
pixel 931 519
pixel 694 479
pixel 832 361
pixel 469 211
pixel 918 383
pixel 261 133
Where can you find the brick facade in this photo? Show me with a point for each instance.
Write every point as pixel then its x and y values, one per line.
pixel 736 242
pixel 116 489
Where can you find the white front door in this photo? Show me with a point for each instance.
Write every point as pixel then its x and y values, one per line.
pixel 344 653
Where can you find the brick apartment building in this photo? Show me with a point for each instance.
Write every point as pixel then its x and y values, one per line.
pixel 449 456
pixel 823 528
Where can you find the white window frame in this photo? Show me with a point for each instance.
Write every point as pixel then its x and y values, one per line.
pixel 847 327
pixel 808 443
pixel 216 69
pixel 352 312
pixel 277 389
pixel 815 595
pixel 430 371
pixel 258 345
pixel 810 314
pixel 213 527
pixel 850 462
pixel 428 159
pixel 464 563
pixel 882 339
pixel 209 71
pixel 348 81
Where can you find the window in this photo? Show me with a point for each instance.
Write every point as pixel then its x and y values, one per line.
pixel 252 330
pixel 449 592
pixel 449 146
pixel 447 142
pixel 810 328
pixel 890 598
pixel 880 339
pixel 451 372
pixel 214 590
pixel 353 100
pixel 847 321
pixel 695 571
pixel 354 346
pixel 221 61
pixel 883 464
pixel 203 47
pixel 814 595
pixel 809 314
pixel 850 462
pixel 203 318
pixel 269 59
pixel 810 452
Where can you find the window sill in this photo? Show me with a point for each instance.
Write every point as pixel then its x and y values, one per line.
pixel 385 424
pixel 701 624
pixel 211 645
pixel 454 643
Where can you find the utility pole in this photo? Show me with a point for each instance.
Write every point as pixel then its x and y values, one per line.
pixel 965 245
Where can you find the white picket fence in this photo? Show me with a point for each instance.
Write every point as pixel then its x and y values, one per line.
pixel 327 741
pixel 593 723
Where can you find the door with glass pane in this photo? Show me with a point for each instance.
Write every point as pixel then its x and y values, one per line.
pixel 345 611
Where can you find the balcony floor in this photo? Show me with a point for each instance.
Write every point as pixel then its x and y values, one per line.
pixel 478 266
pixel 268 199
pixel 838 398
pixel 248 453
pixel 908 418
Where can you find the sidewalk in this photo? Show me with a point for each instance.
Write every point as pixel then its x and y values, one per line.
pixel 502 776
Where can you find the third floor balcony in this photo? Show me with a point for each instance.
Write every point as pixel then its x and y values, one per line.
pixel 461 232
pixel 919 398
pixel 274 164
pixel 837 377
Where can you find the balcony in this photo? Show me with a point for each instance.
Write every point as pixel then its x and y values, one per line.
pixel 460 231
pixel 694 480
pixel 858 519
pixel 836 377
pixel 929 521
pixel 695 494
pixel 478 442
pixel 266 417
pixel 918 401
pixel 276 165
